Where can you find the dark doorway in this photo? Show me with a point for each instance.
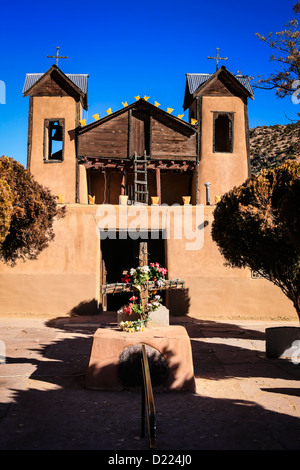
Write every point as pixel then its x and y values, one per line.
pixel 119 255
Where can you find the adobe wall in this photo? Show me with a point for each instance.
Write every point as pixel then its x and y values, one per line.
pixel 60 177
pixel 222 170
pixel 66 276
pixel 215 291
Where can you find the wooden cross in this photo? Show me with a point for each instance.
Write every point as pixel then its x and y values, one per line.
pixel 217 58
pixel 143 261
pixel 119 287
pixel 57 56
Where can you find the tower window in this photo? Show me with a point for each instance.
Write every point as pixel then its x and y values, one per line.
pixel 54 140
pixel 223 132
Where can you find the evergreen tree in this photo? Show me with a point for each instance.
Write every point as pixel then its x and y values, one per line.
pixel 27 213
pixel 257 225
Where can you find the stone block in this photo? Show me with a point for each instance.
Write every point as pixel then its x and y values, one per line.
pixel 172 342
pixel 283 342
pixel 159 317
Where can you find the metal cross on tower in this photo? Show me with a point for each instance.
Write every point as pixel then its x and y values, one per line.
pixel 217 58
pixel 57 56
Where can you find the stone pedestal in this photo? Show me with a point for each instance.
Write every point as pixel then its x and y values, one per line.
pixel 172 342
pixel 283 342
pixel 159 317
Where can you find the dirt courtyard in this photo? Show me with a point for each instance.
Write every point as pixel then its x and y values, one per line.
pixel 243 400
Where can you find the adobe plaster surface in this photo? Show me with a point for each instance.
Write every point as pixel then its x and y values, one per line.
pixel 222 170
pixel 171 341
pixel 59 178
pixel 66 277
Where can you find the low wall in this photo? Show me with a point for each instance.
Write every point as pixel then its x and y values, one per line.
pixel 64 279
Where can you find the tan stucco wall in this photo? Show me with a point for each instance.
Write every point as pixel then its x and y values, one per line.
pixel 222 170
pixel 66 276
pixel 82 183
pixel 60 178
pixel 215 291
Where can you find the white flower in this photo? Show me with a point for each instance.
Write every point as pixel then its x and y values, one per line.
pixel 132 271
pixel 145 269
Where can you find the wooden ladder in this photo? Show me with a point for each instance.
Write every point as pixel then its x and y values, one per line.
pixel 140 179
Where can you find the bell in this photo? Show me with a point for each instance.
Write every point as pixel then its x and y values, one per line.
pixel 57 128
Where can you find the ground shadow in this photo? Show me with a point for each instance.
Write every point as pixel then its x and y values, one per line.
pixel 85 308
pixel 52 409
pixel 210 353
pixel 285 391
pixel 179 302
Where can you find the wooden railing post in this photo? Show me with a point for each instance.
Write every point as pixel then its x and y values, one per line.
pixel 148 401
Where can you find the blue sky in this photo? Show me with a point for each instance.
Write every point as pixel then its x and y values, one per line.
pixel 131 48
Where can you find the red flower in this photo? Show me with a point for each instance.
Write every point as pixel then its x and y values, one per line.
pixel 126 279
pixel 133 298
pixel 128 309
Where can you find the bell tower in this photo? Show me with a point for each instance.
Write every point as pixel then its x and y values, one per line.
pixel 56 101
pixel 217 105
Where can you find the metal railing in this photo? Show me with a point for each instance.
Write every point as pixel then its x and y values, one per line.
pixel 148 407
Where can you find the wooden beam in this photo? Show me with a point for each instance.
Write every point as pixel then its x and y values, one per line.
pixel 143 261
pixel 122 191
pixel 119 287
pixel 120 164
pixel 158 185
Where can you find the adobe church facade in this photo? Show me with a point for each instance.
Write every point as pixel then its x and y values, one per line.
pixel 141 152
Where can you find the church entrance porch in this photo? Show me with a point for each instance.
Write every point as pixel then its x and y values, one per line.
pixel 169 182
pixel 120 254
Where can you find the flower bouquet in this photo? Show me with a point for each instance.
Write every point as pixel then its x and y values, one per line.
pixel 139 314
pixel 142 274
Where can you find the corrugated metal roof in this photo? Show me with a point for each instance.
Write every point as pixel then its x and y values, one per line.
pixel 195 80
pixel 244 80
pixel 80 80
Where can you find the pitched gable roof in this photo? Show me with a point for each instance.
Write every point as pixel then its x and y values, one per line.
pixel 166 117
pixel 78 82
pixel 196 82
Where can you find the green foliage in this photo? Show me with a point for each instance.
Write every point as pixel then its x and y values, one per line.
pixel 257 225
pixel 27 211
